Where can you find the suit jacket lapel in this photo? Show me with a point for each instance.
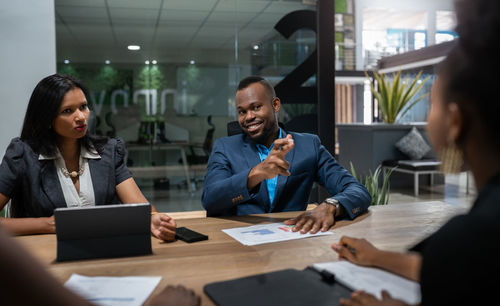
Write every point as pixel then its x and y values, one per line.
pixel 98 173
pixel 249 150
pixel 51 185
pixel 283 179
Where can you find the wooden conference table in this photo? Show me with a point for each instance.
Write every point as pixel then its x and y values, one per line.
pixel 392 227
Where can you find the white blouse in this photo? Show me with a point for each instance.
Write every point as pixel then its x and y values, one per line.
pixel 71 196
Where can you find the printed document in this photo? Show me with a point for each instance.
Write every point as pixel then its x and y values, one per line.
pixel 123 291
pixel 372 280
pixel 267 233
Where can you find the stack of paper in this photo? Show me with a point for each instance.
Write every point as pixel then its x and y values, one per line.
pixel 372 280
pixel 124 291
pixel 267 233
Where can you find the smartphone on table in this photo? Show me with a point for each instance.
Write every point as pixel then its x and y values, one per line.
pixel 187 235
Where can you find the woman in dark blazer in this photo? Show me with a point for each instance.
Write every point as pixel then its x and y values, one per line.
pixel 458 264
pixel 56 163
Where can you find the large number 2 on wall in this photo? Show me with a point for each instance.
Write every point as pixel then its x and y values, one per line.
pixel 289 90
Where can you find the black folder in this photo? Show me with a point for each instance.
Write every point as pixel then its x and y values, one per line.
pixel 285 287
pixel 103 231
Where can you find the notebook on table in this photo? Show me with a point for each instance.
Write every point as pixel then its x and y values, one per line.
pixel 288 287
pixel 321 284
pixel 103 231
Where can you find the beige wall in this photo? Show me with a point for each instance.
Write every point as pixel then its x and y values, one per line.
pixel 28 53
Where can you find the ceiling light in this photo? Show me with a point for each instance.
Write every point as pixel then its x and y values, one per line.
pixel 134 47
pixel 107 62
pixel 192 62
pixel 66 61
pixel 154 62
pixel 256 47
pixel 146 62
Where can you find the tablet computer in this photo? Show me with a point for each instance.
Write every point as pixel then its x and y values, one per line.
pixel 103 231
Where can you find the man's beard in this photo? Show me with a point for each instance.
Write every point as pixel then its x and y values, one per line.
pixel 266 133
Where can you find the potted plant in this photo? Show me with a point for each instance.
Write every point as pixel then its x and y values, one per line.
pixel 379 194
pixel 368 145
pixel 394 95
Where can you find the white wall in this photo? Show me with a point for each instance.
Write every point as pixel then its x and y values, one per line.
pixel 431 6
pixel 27 54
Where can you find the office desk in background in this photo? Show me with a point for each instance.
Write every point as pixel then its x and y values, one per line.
pixel 165 170
pixel 393 227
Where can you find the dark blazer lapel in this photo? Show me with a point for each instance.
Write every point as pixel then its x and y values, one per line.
pixel 100 179
pixel 283 179
pixel 249 150
pixel 50 183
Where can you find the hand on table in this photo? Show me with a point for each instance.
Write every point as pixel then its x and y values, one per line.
pixel 175 296
pixel 357 251
pixel 363 298
pixel 320 218
pixel 49 224
pixel 163 227
pixel 274 164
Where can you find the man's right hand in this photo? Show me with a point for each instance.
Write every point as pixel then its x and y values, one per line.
pixel 274 164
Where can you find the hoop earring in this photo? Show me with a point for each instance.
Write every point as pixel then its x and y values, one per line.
pixel 451 159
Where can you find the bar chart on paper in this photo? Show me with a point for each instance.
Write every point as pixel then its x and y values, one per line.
pixel 267 233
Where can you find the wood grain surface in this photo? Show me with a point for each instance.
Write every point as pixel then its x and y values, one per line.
pixel 392 227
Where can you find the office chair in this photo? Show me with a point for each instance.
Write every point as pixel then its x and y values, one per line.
pixel 307 123
pixel 233 128
pixel 209 137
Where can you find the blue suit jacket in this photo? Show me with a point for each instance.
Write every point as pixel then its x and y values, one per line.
pixel 34 187
pixel 225 191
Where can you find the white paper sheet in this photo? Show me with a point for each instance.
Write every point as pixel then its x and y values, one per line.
pixel 267 233
pixel 123 291
pixel 372 280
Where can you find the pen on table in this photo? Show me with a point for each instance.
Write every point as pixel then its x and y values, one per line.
pixel 350 248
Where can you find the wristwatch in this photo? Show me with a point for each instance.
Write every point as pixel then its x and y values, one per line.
pixel 334 202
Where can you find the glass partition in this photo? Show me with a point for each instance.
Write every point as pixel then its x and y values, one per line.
pixel 162 76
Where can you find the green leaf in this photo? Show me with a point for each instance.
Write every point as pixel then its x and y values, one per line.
pixel 394 99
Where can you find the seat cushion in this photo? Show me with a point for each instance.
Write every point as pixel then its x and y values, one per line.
pixel 413 165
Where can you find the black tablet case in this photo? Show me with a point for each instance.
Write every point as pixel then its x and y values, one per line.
pixel 286 287
pixel 103 231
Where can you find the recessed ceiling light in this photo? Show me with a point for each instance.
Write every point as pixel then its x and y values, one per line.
pixel 107 62
pixel 66 61
pixel 134 47
pixel 146 62
pixel 192 62
pixel 154 62
pixel 256 47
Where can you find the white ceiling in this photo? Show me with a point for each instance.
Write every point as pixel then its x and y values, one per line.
pixel 93 31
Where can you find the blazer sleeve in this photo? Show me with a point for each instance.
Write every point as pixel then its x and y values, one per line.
pixel 12 167
pixel 344 187
pixel 121 171
pixel 223 189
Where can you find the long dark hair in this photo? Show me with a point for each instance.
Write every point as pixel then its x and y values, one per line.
pixel 43 108
pixel 470 72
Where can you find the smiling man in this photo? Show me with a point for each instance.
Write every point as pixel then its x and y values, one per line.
pixel 267 169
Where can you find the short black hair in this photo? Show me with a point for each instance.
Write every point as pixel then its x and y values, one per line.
pixel 43 108
pixel 256 79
